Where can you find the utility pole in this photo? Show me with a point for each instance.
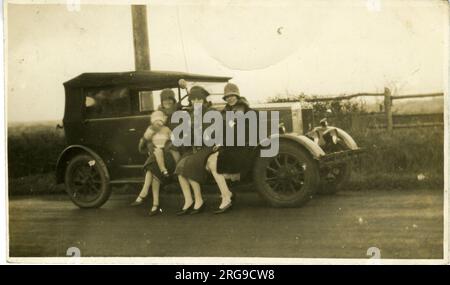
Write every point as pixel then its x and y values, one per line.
pixel 140 37
pixel 141 52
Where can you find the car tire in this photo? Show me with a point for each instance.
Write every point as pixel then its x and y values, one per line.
pixel 289 179
pixel 331 188
pixel 87 181
pixel 341 178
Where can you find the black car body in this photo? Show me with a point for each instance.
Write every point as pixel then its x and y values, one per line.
pixel 107 113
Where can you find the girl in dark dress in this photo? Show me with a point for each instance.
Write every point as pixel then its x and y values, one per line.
pixel 153 175
pixel 231 161
pixel 191 169
pixel 235 159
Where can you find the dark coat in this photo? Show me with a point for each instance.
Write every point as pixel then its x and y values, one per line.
pixel 242 102
pixel 192 164
pixel 236 159
pixel 151 164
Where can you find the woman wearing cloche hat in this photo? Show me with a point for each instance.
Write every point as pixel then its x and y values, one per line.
pixel 191 169
pixel 231 161
pixel 234 100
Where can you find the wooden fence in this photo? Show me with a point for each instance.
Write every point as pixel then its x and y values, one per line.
pixel 388 116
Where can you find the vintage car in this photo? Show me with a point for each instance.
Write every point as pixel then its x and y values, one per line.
pixel 107 113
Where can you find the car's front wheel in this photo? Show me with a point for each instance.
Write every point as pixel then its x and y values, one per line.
pixel 289 179
pixel 87 181
pixel 337 176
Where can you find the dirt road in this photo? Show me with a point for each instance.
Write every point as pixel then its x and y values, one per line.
pixel 402 224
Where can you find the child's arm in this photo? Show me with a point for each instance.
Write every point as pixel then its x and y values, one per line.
pixel 149 133
pixel 145 145
pixel 142 147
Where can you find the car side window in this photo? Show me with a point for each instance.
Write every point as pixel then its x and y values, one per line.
pixel 107 103
pixel 146 101
pixel 151 100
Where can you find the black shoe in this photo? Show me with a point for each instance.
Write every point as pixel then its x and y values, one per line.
pixel 155 212
pixel 224 209
pixel 185 211
pixel 233 197
pixel 199 210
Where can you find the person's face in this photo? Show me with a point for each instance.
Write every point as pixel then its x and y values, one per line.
pixel 158 124
pixel 197 101
pixel 168 104
pixel 231 100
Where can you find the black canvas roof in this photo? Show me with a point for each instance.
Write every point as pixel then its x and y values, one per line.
pixel 139 79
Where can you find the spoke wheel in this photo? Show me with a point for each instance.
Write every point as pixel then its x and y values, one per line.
pixel 288 179
pixel 87 181
pixel 285 174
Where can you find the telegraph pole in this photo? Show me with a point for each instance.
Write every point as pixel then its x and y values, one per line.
pixel 140 37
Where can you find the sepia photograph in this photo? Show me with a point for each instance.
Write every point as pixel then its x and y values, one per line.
pixel 227 132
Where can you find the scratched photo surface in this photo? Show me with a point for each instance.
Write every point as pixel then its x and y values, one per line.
pixel 335 150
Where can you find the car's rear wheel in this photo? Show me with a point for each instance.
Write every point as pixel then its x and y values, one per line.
pixel 87 181
pixel 289 179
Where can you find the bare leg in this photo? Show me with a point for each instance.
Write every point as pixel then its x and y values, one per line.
pixel 145 187
pixel 155 191
pixel 184 184
pixel 176 155
pixel 197 194
pixel 220 180
pixel 159 155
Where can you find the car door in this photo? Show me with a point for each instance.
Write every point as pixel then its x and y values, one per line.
pixel 107 124
pixel 143 103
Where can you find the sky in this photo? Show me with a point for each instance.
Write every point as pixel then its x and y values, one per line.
pixel 270 48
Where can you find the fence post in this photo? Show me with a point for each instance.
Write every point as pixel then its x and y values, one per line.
pixel 355 121
pixel 387 108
